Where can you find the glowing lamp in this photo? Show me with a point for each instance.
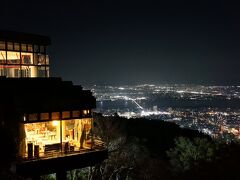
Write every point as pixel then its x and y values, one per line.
pixel 55 123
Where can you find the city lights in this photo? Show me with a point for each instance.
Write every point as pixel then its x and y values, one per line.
pixel 208 109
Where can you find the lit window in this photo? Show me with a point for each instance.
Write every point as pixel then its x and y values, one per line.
pixel 55 115
pixel 13 70
pixel 13 57
pixel 41 72
pixel 75 114
pixel 33 117
pixel 47 59
pixel 29 71
pixel 10 45
pixel 16 46
pixel 44 116
pixel 27 58
pixel 41 60
pixel 24 47
pixel 85 112
pixel 2 45
pixel 2 70
pixel 47 72
pixel 40 138
pixel 36 48
pixel 30 48
pixel 3 57
pixel 65 114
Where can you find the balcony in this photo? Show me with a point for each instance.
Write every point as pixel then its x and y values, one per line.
pixel 54 161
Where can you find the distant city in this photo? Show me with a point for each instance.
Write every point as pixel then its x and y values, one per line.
pixel 213 110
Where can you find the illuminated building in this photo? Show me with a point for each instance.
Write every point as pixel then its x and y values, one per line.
pixel 51 118
pixel 23 55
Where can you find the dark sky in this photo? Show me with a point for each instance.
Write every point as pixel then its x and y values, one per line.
pixel 125 42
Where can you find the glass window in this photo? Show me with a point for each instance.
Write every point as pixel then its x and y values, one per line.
pixel 41 59
pixel 65 114
pixel 55 115
pixel 44 116
pixel 2 70
pixel 2 57
pixel 36 48
pixel 33 71
pixel 13 70
pixel 13 57
pixel 25 71
pixel 30 48
pixel 16 46
pixel 29 71
pixel 77 133
pixel 33 117
pixel 42 136
pixel 10 45
pixel 2 44
pixel 47 72
pixel 24 47
pixel 27 58
pixel 47 59
pixel 41 71
pixel 76 114
pixel 42 49
pixel 36 58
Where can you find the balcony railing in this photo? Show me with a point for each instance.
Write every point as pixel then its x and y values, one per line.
pixel 57 150
pixel 58 161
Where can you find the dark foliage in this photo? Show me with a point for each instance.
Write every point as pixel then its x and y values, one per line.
pixel 157 135
pixel 207 159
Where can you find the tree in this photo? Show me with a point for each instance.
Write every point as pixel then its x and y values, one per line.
pixel 191 153
pixel 125 154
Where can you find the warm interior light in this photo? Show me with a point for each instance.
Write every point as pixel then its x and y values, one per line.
pixel 55 123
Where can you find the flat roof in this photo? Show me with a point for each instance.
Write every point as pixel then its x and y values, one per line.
pixel 24 38
pixel 33 95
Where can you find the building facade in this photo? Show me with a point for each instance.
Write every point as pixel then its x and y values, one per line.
pixel 50 118
pixel 23 55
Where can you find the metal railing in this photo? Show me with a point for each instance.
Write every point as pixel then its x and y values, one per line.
pixel 98 145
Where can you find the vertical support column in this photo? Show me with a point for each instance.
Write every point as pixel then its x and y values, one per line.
pixel 20 46
pixel 61 135
pixel 5 66
pixel 34 67
pixel 45 60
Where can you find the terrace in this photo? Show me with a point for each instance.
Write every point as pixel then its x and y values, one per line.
pixel 60 161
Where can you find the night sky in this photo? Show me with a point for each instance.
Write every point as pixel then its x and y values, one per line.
pixel 129 42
